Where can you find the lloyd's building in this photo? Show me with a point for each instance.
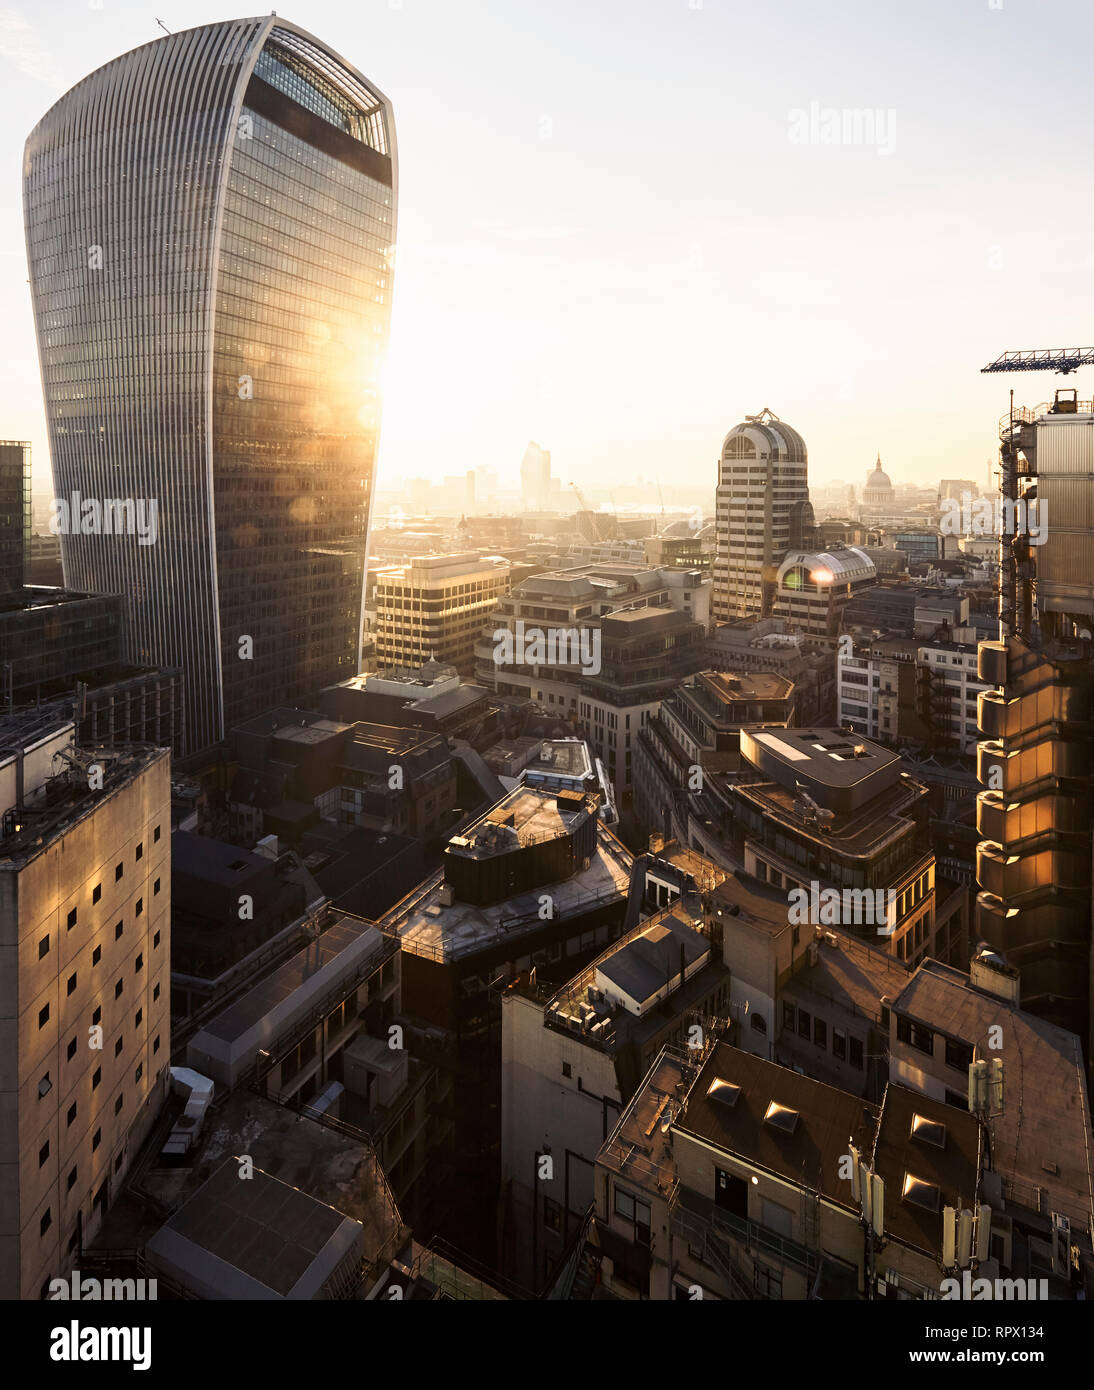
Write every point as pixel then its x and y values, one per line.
pixel 210 224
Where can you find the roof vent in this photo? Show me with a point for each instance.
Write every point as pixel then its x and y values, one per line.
pixel 920 1192
pixel 725 1092
pixel 781 1117
pixel 929 1131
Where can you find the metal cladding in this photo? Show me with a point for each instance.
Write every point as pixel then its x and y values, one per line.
pixel 209 221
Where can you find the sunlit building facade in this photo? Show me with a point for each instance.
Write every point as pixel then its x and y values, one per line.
pixel 210 222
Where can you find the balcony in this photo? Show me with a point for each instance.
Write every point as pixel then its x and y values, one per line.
pixel 702 1219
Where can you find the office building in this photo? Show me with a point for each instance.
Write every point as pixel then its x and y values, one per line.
pixel 243 260
pixel 433 609
pixel 535 478
pixel 812 590
pixel 15 516
pixel 85 1031
pixel 762 511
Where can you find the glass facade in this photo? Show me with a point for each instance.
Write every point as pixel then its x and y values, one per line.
pixel 208 225
pixel 14 517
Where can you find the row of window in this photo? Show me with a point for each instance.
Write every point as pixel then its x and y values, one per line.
pixel 844 1048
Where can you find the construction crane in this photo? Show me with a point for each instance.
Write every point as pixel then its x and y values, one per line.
pixel 1042 360
pixel 586 508
pixel 1017 460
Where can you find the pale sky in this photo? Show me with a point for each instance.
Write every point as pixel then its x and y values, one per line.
pixel 611 241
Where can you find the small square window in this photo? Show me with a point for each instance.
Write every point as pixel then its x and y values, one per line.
pixel 118 990
pixel 137 1017
pixel 118 1105
pixel 118 929
pixel 118 1047
pixel 155 940
pixel 96 892
pixel 96 1140
pixel 140 963
pixel 96 1017
pixel 139 1072
pixel 156 1044
pixel 140 850
pixel 45 1223
pixel 71 1181
pixel 96 1077
pixel 118 1163
pixel 119 869
pixel 156 992
pixel 71 984
pixel 71 1116
pixel 156 834
pixel 43 1153
pixel 155 887
pixel 72 919
pixel 96 955
pixel 72 1049
pixel 43 1016
pixel 43 947
pixel 140 907
pixel 44 1086
pixel 567 1070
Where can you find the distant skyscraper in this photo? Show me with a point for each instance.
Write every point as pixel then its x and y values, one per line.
pixel 209 221
pixel 535 477
pixel 763 510
pixel 14 516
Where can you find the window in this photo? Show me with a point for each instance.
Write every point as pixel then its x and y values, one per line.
pixel 96 1016
pixel 567 1069
pixel 915 1034
pixel 820 1033
pixel 71 1181
pixel 119 869
pixel 97 1076
pixel 636 1212
pixel 118 990
pixel 118 1104
pixel 155 887
pixel 856 1053
pixel 839 1044
pixel 43 1016
pixel 139 1072
pixel 140 963
pixel 156 1044
pixel 45 1223
pixel 552 1215
pixel 43 947
pixel 958 1054
pixel 96 955
pixel 759 1023
pixel 156 992
pixel 788 1016
pixel 72 919
pixel 140 850
pixel 43 1153
pixel 156 834
pixel 804 1023
pixel 137 1018
pixel 71 1113
pixel 96 892
pixel 96 1140
pixel 118 929
pixel 71 984
pixel 155 941
pixel 139 908
pixel 118 1047
pixel 72 1049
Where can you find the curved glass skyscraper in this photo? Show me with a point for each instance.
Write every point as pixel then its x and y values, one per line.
pixel 210 222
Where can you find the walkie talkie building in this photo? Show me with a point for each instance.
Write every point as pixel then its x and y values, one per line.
pixel 210 222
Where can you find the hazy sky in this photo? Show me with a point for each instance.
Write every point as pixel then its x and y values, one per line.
pixel 617 236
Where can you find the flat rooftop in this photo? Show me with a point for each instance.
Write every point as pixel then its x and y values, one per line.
pixel 1045 1123
pixel 851 974
pixel 427 926
pixel 249 1010
pixel 828 756
pixel 527 816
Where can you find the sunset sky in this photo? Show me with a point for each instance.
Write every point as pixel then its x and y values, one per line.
pixel 612 240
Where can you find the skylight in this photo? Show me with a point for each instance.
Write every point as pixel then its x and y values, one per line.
pixel 781 1117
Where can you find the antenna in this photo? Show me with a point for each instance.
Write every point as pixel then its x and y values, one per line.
pixel 163 26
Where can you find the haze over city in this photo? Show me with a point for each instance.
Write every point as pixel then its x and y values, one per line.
pixel 609 241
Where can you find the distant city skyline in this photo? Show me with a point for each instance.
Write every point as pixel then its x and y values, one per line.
pixel 623 277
